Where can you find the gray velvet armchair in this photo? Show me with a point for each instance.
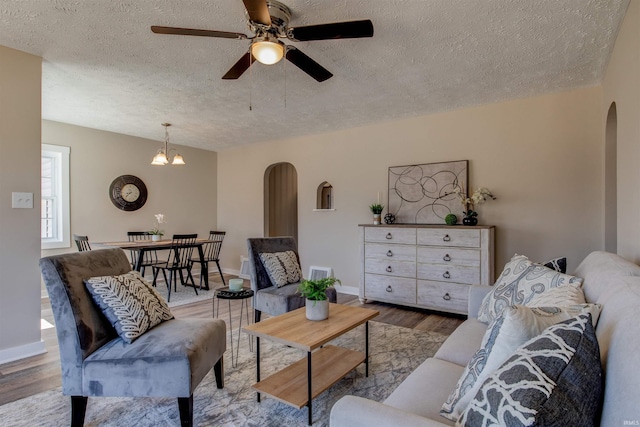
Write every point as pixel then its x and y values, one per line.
pixel 169 360
pixel 268 298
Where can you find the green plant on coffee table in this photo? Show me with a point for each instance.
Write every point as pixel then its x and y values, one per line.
pixel 315 290
pixel 376 208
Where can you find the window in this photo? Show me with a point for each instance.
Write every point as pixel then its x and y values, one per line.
pixel 54 217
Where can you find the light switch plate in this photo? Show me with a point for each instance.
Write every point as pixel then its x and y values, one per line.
pixel 21 200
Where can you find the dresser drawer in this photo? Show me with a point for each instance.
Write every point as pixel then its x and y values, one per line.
pixel 390 235
pixel 449 256
pixel 451 297
pixel 390 267
pixel 390 252
pixel 461 238
pixel 392 289
pixel 449 273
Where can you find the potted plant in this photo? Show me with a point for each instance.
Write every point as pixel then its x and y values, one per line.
pixel 315 292
pixel 481 195
pixel 156 233
pixel 376 209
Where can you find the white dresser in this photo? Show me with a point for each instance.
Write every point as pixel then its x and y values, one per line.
pixel 426 266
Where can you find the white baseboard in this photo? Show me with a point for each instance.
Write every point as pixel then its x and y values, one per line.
pixel 349 290
pixel 22 351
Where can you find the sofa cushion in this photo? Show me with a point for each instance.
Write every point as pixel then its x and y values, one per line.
pixel 424 390
pixel 514 327
pixel 462 344
pixel 282 267
pixel 519 282
pixel 129 302
pixel 554 379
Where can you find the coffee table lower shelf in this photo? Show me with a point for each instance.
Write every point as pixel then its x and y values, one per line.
pixel 328 365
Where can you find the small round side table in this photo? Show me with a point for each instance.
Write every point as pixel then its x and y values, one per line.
pixel 242 295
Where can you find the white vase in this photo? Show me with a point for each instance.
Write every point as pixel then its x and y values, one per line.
pixel 376 219
pixel 156 237
pixel 317 310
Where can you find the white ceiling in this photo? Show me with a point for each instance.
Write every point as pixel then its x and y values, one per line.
pixel 103 68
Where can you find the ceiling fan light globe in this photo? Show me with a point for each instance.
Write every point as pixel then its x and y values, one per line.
pixel 267 52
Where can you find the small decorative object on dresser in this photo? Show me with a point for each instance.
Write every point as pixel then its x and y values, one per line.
pixel 389 218
pixel 317 304
pixel 425 266
pixel 481 195
pixel 376 209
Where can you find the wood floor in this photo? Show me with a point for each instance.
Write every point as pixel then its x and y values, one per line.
pixel 36 374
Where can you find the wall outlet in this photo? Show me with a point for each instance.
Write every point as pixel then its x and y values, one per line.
pixel 21 200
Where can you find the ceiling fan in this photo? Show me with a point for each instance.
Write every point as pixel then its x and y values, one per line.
pixel 269 21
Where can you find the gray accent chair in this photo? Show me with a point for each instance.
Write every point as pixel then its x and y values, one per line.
pixel 169 360
pixel 267 297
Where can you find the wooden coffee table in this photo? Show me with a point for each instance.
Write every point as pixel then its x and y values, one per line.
pixel 298 384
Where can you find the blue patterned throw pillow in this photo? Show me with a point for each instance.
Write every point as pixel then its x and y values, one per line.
pixel 129 302
pixel 553 379
pixel 282 267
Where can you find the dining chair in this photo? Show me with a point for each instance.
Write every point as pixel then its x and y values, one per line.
pixel 150 258
pixel 211 252
pixel 178 261
pixel 82 242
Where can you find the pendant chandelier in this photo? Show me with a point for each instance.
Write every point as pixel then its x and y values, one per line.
pixel 162 155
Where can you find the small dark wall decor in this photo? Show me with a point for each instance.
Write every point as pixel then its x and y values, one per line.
pixel 421 194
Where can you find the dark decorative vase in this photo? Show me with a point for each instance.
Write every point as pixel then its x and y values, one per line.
pixel 470 220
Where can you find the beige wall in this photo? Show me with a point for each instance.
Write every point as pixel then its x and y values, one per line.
pixel 185 194
pixel 622 86
pixel 20 76
pixel 541 156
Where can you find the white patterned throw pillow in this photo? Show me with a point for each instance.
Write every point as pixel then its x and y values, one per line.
pixel 515 326
pixel 561 296
pixel 129 302
pixel 282 267
pixel 520 281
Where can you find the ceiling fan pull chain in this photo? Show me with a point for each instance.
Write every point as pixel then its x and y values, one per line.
pixel 284 65
pixel 250 79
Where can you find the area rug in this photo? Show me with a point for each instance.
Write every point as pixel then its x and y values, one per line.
pixel 395 352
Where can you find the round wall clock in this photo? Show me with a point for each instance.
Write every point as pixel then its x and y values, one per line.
pixel 128 192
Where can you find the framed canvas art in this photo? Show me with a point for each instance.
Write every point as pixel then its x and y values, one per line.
pixel 422 194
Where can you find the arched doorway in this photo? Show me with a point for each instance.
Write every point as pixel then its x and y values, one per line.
pixel 281 200
pixel 611 181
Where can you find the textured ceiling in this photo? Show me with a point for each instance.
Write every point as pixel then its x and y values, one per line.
pixel 103 68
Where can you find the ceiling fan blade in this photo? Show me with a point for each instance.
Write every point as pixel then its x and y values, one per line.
pixel 336 30
pixel 239 67
pixel 308 65
pixel 258 11
pixel 203 33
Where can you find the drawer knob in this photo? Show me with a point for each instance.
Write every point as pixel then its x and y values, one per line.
pixel 389 269
pixel 446 238
pixel 389 289
pixel 389 236
pixel 446 275
pixel 446 297
pixel 389 253
pixel 446 258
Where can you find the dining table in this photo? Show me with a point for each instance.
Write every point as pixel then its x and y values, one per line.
pixel 142 246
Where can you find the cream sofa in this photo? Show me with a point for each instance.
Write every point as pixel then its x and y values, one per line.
pixel 608 280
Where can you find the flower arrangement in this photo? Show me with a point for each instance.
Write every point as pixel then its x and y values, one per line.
pixel 481 195
pixel 156 225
